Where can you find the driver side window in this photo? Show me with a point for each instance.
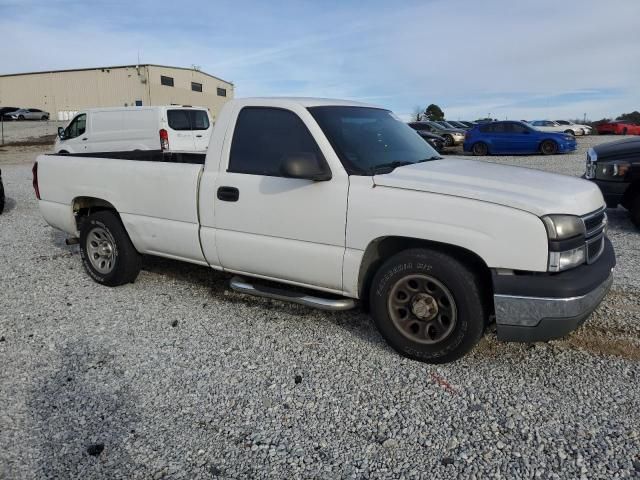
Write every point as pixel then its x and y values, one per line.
pixel 77 127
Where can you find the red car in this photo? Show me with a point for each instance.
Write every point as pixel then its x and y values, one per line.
pixel 618 128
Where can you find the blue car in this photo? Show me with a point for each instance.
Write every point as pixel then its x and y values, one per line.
pixel 510 137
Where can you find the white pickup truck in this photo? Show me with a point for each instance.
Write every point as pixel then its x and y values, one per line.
pixel 329 202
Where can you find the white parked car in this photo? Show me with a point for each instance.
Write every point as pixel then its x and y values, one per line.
pixel 551 126
pixel 341 202
pixel 586 129
pixel 168 128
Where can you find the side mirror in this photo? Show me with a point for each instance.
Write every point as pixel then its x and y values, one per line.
pixel 305 165
pixel 61 133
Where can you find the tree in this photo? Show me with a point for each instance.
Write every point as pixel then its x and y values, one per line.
pixel 633 117
pixel 417 114
pixel 434 112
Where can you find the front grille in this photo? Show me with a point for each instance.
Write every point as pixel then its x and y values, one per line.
pixel 595 224
pixel 595 248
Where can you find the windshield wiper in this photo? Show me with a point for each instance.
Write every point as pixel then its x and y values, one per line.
pixel 391 166
pixel 388 167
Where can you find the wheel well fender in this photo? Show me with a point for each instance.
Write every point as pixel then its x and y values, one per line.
pixel 85 206
pixel 380 249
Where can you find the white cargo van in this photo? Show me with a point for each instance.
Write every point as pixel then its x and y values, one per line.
pixel 170 127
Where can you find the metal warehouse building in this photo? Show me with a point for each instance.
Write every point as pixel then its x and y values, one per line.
pixel 62 91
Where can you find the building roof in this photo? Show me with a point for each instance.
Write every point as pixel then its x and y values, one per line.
pixel 113 67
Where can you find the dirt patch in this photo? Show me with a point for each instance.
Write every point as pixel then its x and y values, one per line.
pixel 601 345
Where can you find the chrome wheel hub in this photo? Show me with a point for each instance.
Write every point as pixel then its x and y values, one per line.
pixel 100 248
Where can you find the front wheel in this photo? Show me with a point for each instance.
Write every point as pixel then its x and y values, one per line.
pixel 448 140
pixel 570 132
pixel 427 305
pixel 549 147
pixel 20 117
pixel 107 253
pixel 44 117
pixel 634 210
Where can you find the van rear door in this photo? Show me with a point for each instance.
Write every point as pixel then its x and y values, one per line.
pixel 201 126
pixel 180 134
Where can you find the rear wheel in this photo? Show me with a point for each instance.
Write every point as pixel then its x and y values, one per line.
pixel 427 306
pixel 624 131
pixel 480 148
pixel 548 147
pixel 107 253
pixel 1 196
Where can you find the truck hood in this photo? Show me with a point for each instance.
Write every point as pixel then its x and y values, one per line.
pixel 539 193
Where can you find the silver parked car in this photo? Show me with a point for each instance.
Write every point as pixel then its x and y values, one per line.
pixel 28 114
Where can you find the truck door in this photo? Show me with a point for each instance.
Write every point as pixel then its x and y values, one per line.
pixel 271 226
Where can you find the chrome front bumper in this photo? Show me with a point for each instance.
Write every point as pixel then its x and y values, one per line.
pixel 532 319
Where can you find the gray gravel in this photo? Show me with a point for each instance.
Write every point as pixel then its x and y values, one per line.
pixel 249 388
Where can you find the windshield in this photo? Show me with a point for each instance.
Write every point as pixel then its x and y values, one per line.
pixel 371 140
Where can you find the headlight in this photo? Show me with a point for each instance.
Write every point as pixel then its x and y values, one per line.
pixel 559 261
pixel 614 170
pixel 562 227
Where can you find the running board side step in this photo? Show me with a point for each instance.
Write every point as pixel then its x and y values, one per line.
pixel 240 285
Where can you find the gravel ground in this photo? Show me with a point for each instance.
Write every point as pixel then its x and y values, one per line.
pixel 21 131
pixel 175 376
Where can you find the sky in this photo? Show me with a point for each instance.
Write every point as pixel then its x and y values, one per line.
pixel 500 58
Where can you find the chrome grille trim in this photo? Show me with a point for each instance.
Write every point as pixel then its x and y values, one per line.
pixel 594 222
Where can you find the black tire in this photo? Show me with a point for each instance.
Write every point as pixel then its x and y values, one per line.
pixel 448 140
pixel 570 132
pixel 624 131
pixel 548 147
pixel 634 210
pixel 20 117
pixel 124 262
pixel 44 117
pixel 456 282
pixel 480 149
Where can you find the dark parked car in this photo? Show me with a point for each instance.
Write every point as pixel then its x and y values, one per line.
pixel 511 137
pixel 436 141
pixel 5 111
pixel 1 193
pixel 615 168
pixel 451 136
pixel 468 124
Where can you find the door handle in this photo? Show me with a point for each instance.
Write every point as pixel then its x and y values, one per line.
pixel 228 194
pixel 199 136
pixel 84 139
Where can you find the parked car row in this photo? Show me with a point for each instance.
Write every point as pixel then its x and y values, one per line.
pixel 15 113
